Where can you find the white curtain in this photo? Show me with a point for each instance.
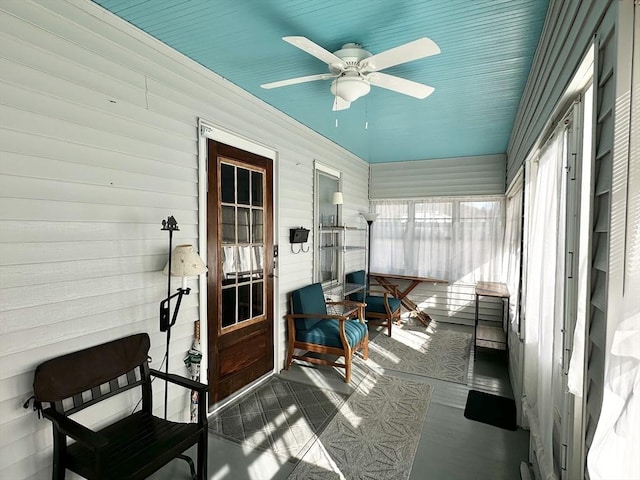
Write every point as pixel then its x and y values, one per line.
pixel 512 249
pixel 453 239
pixel 543 304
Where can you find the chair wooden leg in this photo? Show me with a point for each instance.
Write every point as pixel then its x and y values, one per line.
pixel 365 347
pixel 290 351
pixel 347 367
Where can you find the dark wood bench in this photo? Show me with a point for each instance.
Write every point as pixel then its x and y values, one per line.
pixel 132 447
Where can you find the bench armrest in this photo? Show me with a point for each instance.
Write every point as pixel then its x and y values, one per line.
pixel 75 430
pixel 179 380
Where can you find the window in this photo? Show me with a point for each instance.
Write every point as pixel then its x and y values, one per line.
pixel 328 253
pixel 453 239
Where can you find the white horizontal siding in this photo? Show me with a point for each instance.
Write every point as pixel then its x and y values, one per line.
pixel 452 303
pixel 565 39
pixel 483 175
pixel 99 144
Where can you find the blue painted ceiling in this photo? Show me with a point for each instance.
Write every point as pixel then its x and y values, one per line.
pixel 487 47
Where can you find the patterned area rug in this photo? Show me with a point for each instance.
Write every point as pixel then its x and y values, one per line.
pixel 375 434
pixel 432 351
pixel 282 417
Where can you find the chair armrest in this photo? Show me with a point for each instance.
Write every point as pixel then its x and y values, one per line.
pixel 322 316
pixel 75 430
pixel 179 380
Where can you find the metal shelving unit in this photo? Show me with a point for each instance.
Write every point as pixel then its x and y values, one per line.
pixel 333 240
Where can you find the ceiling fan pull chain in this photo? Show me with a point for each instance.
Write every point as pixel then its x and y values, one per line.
pixel 366 113
pixel 335 101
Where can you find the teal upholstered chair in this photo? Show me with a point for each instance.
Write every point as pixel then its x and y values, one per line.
pixel 312 329
pixel 382 308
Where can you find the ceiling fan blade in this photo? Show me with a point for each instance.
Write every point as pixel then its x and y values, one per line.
pixel 340 104
pixel 421 48
pixel 303 43
pixel 293 81
pixel 400 85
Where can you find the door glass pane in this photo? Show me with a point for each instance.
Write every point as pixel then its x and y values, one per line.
pixel 243 186
pixel 258 227
pixel 258 298
pixel 227 183
pixel 258 258
pixel 228 306
pixel 243 225
pixel 228 265
pixel 244 261
pixel 228 225
pixel 244 302
pixel 256 189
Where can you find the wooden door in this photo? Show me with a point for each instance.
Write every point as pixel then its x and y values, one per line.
pixel 240 280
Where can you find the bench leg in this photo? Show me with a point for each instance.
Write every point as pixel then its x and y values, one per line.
pixel 59 452
pixel 202 457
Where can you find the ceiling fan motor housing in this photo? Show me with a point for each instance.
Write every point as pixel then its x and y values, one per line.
pixel 352 54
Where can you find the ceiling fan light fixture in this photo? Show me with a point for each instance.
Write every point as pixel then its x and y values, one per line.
pixel 350 88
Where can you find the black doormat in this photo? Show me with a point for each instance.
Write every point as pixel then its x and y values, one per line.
pixel 492 409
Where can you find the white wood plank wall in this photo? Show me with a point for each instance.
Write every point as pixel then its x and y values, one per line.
pixel 482 175
pixel 99 144
pixel 451 303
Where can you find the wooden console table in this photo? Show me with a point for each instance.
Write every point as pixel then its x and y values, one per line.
pixel 385 280
pixel 489 334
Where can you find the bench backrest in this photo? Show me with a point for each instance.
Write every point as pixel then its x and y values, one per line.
pixel 83 378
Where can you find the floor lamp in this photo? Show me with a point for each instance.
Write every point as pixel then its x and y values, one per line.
pixel 370 218
pixel 184 262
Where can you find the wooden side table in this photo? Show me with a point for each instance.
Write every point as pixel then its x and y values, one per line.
pixel 493 335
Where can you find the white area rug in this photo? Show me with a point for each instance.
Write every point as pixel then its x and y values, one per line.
pixel 434 351
pixel 374 435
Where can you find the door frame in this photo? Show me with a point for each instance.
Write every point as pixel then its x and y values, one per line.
pixel 209 130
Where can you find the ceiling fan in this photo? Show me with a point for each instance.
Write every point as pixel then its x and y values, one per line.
pixel 354 69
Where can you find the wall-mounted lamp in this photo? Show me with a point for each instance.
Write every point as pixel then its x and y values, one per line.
pixel 337 200
pixel 184 262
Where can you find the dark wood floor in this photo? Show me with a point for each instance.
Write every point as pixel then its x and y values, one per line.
pixel 451 446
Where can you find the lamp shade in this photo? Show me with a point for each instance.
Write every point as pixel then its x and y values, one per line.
pixel 185 262
pixel 370 216
pixel 337 198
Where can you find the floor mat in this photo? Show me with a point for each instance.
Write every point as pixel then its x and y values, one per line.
pixel 491 409
pixel 283 417
pixel 434 351
pixel 375 434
